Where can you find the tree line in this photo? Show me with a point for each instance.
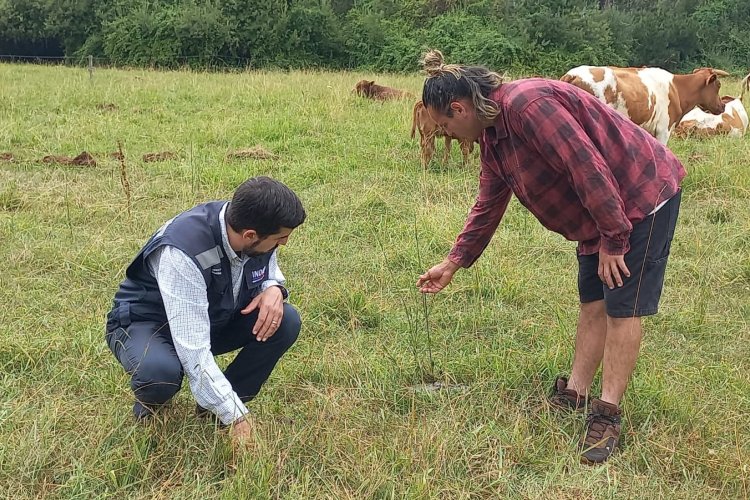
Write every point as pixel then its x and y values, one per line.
pixel 542 37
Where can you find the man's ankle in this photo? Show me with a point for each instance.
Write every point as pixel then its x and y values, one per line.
pixel 573 385
pixel 610 399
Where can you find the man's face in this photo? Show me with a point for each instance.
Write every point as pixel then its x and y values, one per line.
pixel 463 122
pixel 253 245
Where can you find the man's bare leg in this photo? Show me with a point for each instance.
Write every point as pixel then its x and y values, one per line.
pixel 591 336
pixel 620 355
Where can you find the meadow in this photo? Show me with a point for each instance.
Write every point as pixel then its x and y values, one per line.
pixel 343 415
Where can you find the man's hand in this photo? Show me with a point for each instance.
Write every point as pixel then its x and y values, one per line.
pixel 437 277
pixel 243 433
pixel 610 267
pixel 270 304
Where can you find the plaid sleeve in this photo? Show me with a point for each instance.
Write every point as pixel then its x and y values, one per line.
pixel 553 131
pixel 489 208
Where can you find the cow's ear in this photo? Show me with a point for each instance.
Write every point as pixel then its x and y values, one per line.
pixel 371 82
pixel 711 79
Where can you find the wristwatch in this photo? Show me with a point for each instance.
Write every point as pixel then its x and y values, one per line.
pixel 284 292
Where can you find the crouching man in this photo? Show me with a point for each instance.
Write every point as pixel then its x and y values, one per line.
pixel 207 283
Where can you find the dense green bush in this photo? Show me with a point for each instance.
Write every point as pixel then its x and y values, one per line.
pixel 544 37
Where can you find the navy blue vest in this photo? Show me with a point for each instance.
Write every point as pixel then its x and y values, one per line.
pixel 196 232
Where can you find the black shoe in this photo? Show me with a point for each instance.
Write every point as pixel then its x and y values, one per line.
pixel 143 412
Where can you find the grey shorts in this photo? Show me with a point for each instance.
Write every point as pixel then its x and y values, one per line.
pixel 639 294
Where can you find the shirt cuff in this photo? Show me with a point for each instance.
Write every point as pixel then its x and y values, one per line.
pixel 461 258
pixel 617 245
pixel 230 410
pixel 269 283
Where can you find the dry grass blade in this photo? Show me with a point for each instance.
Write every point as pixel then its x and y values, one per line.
pixel 124 175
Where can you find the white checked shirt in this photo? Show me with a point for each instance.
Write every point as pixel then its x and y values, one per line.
pixel 185 297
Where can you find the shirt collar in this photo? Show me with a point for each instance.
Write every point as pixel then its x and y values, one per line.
pixel 228 250
pixel 499 130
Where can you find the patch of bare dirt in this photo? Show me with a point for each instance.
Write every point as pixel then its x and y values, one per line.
pixel 255 152
pixel 84 159
pixel 107 106
pixel 439 386
pixel 65 160
pixel 163 156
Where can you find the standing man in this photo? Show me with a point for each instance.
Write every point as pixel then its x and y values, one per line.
pixel 206 283
pixel 587 173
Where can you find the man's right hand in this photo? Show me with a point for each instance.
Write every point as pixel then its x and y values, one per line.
pixel 243 432
pixel 437 277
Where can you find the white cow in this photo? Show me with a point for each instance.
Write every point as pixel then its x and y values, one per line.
pixel 653 98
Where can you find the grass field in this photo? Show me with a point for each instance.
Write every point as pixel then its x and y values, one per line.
pixel 338 418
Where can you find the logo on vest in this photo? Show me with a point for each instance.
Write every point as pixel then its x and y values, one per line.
pixel 216 270
pixel 258 274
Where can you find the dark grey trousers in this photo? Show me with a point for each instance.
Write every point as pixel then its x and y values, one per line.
pixel 146 352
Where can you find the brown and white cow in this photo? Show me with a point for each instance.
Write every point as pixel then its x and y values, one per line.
pixel 429 130
pixel 368 88
pixel 653 98
pixel 732 122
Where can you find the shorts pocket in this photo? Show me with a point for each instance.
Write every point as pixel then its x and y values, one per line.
pixel 663 231
pixel 659 254
pixel 650 264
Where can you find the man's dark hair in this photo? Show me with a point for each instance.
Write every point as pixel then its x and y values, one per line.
pixel 265 206
pixel 446 83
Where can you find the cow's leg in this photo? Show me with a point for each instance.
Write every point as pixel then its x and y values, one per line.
pixel 427 144
pixel 447 153
pixel 662 135
pixel 466 148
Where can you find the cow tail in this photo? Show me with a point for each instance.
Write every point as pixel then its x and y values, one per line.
pixel 744 85
pixel 414 118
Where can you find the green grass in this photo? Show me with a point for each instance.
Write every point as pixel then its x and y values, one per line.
pixel 376 221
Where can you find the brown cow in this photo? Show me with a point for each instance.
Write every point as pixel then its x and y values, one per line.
pixel 368 88
pixel 651 97
pixel 429 130
pixel 732 122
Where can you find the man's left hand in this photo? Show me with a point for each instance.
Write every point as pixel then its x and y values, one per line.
pixel 270 305
pixel 610 267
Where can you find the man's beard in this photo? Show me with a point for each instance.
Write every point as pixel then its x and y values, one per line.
pixel 250 251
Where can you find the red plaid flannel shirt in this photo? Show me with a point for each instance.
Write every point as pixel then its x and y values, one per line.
pixel 581 168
